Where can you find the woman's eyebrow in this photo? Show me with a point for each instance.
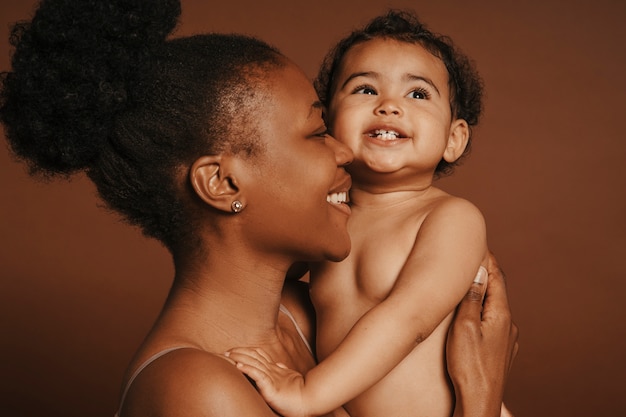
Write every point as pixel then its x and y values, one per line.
pixel 317 105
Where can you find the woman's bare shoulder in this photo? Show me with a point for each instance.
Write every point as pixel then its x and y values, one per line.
pixel 192 382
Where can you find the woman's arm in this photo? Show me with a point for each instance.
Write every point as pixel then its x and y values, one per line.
pixel 482 344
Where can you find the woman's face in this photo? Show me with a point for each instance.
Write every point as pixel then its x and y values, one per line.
pixel 299 190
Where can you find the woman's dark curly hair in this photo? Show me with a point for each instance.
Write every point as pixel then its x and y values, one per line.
pixel 96 87
pixel 466 87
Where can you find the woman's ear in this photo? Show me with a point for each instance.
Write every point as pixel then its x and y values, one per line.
pixel 213 181
pixel 457 140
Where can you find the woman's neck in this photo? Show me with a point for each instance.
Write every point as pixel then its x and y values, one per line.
pixel 220 304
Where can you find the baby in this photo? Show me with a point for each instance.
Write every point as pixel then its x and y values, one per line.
pixel 404 100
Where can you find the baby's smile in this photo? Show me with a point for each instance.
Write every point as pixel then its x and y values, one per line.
pixel 385 134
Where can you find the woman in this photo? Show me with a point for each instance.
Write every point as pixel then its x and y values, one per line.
pixel 215 146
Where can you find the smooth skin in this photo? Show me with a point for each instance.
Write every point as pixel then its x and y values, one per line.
pixel 230 270
pixel 481 347
pixel 229 296
pixel 415 248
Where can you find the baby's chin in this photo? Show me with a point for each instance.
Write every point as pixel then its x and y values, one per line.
pixel 372 165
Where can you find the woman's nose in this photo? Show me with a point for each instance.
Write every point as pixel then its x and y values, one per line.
pixel 343 154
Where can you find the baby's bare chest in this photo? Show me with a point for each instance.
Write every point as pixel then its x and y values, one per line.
pixel 380 249
pixel 377 258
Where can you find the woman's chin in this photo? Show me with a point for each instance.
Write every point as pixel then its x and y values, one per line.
pixel 339 254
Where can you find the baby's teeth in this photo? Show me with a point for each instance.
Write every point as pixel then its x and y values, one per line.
pixel 386 134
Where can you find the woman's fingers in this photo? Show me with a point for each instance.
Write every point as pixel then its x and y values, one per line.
pixel 470 309
pixel 482 343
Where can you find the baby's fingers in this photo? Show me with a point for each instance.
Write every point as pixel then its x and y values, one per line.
pixel 253 352
pixel 245 358
pixel 260 377
pixel 250 363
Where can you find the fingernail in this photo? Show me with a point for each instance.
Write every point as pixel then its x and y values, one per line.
pixel 481 276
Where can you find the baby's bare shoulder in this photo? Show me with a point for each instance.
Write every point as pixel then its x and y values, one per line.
pixel 448 205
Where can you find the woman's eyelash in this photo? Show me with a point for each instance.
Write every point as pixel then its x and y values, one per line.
pixel 322 134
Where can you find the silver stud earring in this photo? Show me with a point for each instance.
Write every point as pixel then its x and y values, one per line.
pixel 236 206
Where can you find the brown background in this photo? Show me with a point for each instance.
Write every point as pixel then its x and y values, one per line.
pixel 79 290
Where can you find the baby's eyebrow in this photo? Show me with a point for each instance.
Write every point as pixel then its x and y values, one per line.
pixel 413 77
pixel 407 78
pixel 369 74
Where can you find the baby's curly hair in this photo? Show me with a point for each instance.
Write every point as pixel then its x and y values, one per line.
pixel 466 86
pixel 95 86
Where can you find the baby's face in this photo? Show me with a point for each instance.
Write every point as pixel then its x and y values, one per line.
pixel 391 106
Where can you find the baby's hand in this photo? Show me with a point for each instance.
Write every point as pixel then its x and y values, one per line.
pixel 280 386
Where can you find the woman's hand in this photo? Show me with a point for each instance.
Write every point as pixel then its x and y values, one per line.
pixel 482 344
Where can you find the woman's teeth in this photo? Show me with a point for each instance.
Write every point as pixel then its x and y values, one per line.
pixel 337 198
pixel 385 134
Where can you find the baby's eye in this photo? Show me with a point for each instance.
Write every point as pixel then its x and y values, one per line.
pixel 419 94
pixel 365 90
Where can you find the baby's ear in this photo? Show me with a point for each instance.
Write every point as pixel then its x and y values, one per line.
pixel 214 182
pixel 457 141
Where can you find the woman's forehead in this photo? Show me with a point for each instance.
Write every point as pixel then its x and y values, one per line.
pixel 289 87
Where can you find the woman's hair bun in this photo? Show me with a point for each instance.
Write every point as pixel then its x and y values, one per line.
pixel 73 69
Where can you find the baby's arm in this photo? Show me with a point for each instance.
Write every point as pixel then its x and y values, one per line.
pixel 280 386
pixel 447 253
